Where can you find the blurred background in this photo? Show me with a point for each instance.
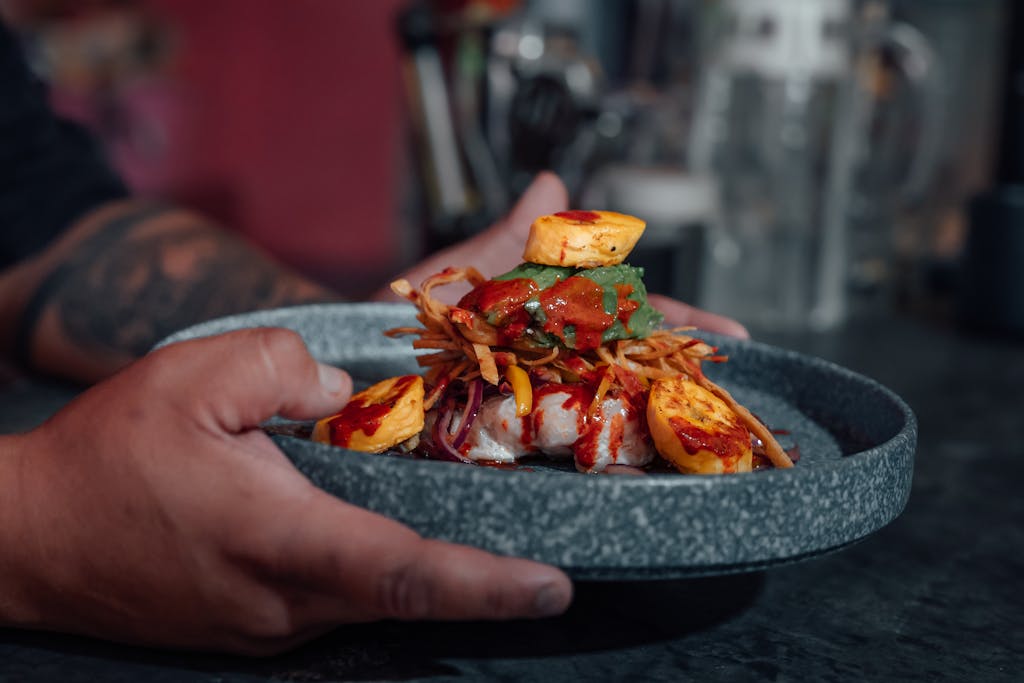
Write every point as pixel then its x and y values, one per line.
pixel 802 165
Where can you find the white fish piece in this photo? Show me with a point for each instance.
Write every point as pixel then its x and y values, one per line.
pixel 617 438
pixel 558 427
pixel 497 434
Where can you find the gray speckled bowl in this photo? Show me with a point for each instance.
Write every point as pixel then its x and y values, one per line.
pixel 856 440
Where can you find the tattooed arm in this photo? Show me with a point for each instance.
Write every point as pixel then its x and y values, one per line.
pixel 125 276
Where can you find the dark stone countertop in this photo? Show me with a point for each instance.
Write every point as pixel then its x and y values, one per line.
pixel 933 596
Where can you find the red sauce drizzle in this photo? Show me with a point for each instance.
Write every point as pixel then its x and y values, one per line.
pixel 727 445
pixel 634 397
pixel 578 398
pixel 631 386
pixel 526 424
pixel 358 416
pixel 576 301
pixel 625 306
pixel 616 435
pixel 575 363
pixel 580 216
pixel 502 298
pixel 585 447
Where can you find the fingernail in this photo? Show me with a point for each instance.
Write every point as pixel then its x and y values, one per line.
pixel 332 379
pixel 549 601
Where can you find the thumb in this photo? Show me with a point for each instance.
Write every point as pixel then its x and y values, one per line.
pixel 242 378
pixel 368 567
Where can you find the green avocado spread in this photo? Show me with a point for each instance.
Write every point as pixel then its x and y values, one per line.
pixel 577 308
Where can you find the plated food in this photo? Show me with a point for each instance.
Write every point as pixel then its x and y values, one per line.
pixel 561 357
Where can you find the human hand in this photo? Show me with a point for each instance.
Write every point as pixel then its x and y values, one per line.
pixel 678 314
pixel 154 510
pixel 499 249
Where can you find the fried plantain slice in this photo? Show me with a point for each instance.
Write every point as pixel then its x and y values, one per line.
pixel 582 239
pixel 695 430
pixel 377 418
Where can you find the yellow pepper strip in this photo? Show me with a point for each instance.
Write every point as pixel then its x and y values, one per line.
pixel 521 389
pixel 602 389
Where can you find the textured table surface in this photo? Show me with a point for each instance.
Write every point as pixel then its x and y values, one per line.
pixel 933 596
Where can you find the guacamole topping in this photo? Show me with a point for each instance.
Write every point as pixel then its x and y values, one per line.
pixel 576 308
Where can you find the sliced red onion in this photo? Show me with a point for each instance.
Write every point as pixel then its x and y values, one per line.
pixel 441 434
pixel 474 397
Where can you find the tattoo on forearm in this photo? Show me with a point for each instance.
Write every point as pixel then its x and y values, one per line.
pixel 126 290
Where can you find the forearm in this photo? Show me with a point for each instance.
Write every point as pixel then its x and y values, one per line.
pixel 124 277
pixel 15 605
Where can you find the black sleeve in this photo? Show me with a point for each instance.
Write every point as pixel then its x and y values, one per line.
pixel 51 171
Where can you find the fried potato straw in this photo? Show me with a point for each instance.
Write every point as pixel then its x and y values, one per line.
pixel 467 348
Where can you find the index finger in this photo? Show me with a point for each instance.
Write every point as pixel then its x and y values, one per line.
pixel 678 313
pixel 238 379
